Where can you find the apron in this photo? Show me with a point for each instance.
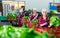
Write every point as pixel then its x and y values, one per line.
pixel 32 17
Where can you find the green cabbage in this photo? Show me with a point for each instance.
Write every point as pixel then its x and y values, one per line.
pixel 12 15
pixel 54 20
pixel 20 32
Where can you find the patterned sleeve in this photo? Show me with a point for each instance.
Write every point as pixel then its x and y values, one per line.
pixel 30 14
pixel 35 16
pixel 48 20
pixel 39 21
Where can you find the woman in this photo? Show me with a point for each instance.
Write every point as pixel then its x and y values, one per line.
pixel 33 15
pixel 12 10
pixel 12 15
pixel 43 21
pixel 20 18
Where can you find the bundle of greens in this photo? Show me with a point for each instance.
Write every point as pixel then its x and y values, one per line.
pixel 20 32
pixel 12 15
pixel 55 21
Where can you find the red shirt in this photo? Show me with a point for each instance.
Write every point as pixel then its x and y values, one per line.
pixel 42 21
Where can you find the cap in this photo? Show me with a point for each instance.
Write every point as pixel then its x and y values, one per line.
pixel 34 9
pixel 43 10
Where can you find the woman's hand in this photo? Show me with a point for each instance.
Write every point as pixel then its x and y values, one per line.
pixel 28 20
pixel 41 24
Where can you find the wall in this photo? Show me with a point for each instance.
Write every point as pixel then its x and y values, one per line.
pixel 39 4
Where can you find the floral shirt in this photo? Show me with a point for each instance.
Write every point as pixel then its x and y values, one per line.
pixel 42 21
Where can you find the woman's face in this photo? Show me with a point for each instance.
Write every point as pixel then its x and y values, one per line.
pixel 34 11
pixel 12 7
pixel 44 13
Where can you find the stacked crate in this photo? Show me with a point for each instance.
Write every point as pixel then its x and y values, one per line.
pixel 55 7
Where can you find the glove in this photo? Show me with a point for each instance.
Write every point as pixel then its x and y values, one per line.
pixel 46 24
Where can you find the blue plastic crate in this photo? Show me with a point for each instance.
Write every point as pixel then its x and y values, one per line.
pixel 53 7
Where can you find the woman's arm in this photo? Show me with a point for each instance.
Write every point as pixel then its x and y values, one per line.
pixel 35 17
pixel 30 15
pixel 39 22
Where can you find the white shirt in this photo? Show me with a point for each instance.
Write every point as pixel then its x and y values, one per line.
pixel 12 11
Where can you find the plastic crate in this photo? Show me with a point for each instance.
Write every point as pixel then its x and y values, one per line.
pixel 3 18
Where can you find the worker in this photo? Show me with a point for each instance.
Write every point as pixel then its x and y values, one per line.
pixel 32 16
pixel 12 10
pixel 20 18
pixel 43 21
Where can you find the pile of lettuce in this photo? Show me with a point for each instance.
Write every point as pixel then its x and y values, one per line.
pixel 55 21
pixel 12 15
pixel 21 32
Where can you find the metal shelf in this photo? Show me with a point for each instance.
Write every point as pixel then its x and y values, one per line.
pixel 58 14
